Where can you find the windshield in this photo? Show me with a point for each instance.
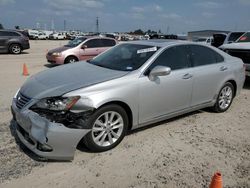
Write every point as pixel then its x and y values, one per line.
pixel 234 36
pixel 125 57
pixel 75 42
pixel 244 38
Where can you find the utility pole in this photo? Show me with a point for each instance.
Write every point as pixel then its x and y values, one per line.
pixel 168 28
pixel 64 25
pixel 97 24
pixel 37 25
pixel 52 25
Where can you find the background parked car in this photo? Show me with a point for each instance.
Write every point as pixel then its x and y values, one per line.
pixel 81 48
pixel 232 37
pixel 13 42
pixel 223 38
pixel 42 36
pixel 241 49
pixel 206 40
pixel 33 34
pixel 57 36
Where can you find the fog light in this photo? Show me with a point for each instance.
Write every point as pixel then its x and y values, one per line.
pixel 44 147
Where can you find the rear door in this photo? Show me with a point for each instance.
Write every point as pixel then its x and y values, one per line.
pixel 166 94
pixel 209 69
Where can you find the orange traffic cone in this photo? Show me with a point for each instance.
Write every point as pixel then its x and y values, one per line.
pixel 25 70
pixel 216 181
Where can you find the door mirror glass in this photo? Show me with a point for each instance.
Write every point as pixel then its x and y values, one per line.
pixel 159 71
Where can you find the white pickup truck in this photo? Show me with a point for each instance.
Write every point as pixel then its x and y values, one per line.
pixel 241 49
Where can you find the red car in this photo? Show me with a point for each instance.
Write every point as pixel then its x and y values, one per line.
pixel 82 48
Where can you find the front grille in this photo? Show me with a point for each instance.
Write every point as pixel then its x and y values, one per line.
pixel 243 54
pixel 22 100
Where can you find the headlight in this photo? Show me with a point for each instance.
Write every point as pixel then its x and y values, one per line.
pixel 56 54
pixel 57 103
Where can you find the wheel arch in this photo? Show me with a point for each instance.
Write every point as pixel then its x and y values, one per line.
pixel 125 107
pixel 233 82
pixel 74 56
pixel 12 43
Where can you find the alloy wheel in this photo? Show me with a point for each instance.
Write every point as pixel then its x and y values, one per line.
pixel 107 128
pixel 16 49
pixel 225 97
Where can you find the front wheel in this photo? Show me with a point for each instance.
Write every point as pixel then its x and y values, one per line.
pixel 71 59
pixel 109 125
pixel 225 98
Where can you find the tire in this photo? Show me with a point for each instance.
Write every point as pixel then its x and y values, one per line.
pixel 225 98
pixel 103 135
pixel 15 48
pixel 70 59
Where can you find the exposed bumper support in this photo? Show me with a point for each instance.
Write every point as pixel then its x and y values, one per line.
pixel 38 130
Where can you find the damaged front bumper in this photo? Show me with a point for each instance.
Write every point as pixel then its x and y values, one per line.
pixel 45 138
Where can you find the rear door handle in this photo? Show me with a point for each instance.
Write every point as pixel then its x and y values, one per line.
pixel 187 76
pixel 223 68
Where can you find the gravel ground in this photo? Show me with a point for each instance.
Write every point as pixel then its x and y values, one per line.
pixel 181 152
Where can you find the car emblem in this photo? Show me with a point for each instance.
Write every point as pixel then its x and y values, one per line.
pixel 19 98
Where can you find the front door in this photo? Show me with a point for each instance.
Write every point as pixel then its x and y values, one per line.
pixel 166 94
pixel 90 50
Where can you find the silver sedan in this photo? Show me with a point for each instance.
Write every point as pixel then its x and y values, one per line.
pixel 129 86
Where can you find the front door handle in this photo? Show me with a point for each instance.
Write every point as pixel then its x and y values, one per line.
pixel 187 76
pixel 223 68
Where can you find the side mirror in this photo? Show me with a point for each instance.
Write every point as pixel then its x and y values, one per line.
pixel 84 47
pixel 159 71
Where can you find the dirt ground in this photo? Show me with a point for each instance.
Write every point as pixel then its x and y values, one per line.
pixel 181 152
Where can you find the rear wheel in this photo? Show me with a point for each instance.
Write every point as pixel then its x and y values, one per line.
pixel 225 98
pixel 71 59
pixel 109 125
pixel 15 49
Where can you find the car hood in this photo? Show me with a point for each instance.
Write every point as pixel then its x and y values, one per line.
pixel 63 79
pixel 237 45
pixel 59 49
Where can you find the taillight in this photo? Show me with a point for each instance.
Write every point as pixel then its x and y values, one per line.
pixel 244 66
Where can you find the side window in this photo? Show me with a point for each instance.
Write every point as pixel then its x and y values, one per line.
pixel 174 57
pixel 6 33
pixel 12 34
pixel 108 42
pixel 93 43
pixel 219 58
pixel 202 55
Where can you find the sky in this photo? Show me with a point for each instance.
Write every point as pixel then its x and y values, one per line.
pixel 171 17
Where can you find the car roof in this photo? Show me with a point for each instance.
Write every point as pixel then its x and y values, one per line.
pixel 160 42
pixel 9 30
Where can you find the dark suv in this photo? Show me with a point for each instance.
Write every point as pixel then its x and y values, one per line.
pixel 13 42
